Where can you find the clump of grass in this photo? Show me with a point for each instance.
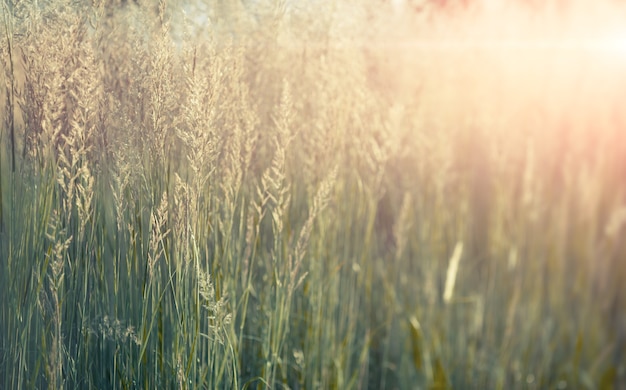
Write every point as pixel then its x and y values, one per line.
pixel 258 199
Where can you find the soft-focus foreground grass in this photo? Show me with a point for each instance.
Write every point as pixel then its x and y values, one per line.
pixel 266 199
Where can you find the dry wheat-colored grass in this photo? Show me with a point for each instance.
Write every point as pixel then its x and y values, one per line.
pixel 315 195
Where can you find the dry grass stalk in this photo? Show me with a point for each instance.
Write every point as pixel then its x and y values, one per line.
pixel 453 268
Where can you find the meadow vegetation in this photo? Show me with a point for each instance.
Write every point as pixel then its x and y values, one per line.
pixel 280 195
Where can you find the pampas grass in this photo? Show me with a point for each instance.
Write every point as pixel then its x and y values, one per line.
pixel 263 199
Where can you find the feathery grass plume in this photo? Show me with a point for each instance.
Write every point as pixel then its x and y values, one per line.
pixel 162 98
pixel 249 278
pixel 44 117
pixel 285 115
pixel 122 51
pixel 75 151
pixel 185 212
pixel 218 315
pixel 121 181
pixel 35 74
pixel 236 113
pixel 320 201
pixel 198 131
pixel 275 198
pixel 275 188
pixel 219 345
pixel 113 329
pixel 52 87
pixel 59 243
pixel 251 233
pixel 154 285
pixel 159 232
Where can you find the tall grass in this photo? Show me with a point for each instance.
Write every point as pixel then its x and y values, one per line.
pixel 276 196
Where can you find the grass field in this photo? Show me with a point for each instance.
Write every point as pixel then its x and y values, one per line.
pixel 326 195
